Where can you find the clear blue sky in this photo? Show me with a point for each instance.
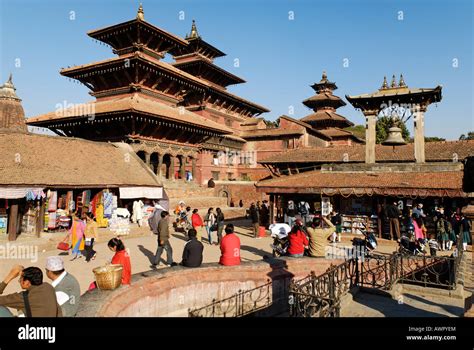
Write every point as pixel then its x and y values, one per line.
pixel 278 57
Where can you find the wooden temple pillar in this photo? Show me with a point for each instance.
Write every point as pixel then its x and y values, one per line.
pixel 40 218
pixel 13 221
pixel 272 209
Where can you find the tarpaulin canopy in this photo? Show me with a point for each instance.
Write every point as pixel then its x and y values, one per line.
pixel 141 192
pixel 18 192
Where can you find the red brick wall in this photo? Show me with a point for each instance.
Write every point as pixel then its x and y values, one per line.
pixel 248 193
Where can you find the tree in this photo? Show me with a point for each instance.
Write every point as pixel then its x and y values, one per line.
pixel 434 139
pixel 383 124
pixel 357 130
pixel 469 136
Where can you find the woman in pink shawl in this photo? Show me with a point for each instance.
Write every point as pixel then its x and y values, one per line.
pixel 418 225
pixel 76 233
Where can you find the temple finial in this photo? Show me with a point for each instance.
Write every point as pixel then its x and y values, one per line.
pixel 10 79
pixel 324 77
pixel 393 84
pixel 385 84
pixel 402 82
pixel 194 33
pixel 140 13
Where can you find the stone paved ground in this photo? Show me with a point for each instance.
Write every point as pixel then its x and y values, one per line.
pixel 410 305
pixel 142 246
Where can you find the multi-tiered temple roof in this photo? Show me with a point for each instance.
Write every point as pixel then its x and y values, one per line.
pixel 137 93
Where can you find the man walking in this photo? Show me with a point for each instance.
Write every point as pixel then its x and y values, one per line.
pixel 163 241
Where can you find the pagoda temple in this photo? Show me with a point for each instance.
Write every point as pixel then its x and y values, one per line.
pixel 176 117
pixel 325 119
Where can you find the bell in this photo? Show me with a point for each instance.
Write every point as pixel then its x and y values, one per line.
pixel 394 137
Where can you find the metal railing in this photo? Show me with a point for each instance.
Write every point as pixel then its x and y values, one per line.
pixel 240 304
pixel 320 296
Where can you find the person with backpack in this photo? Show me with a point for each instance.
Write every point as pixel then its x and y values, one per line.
pixel 154 219
pixel 303 210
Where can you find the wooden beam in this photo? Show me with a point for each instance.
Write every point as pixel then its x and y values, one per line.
pixel 13 221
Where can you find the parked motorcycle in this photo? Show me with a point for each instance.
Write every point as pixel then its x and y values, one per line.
pixel 279 233
pixel 410 248
pixel 363 246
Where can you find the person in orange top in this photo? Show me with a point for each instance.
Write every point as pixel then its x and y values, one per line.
pixel 121 257
pixel 197 223
pixel 230 247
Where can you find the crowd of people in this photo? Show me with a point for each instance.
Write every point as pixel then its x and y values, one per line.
pixel 306 236
pixel 447 227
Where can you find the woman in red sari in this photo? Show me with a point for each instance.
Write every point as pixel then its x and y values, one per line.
pixel 121 257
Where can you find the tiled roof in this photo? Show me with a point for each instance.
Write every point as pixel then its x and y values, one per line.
pixel 307 126
pixel 435 151
pixel 73 72
pixel 335 132
pixel 133 102
pixel 269 133
pixel 417 180
pixel 40 160
pixel 325 115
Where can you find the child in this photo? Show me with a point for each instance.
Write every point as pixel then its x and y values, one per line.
pixel 433 243
pixel 466 234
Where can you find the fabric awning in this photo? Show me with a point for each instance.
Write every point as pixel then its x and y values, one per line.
pixel 17 192
pixel 141 192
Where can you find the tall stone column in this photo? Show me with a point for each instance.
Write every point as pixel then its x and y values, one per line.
pixel 193 168
pixel 419 133
pixel 160 165
pixel 172 159
pixel 182 169
pixel 370 139
pixel 147 160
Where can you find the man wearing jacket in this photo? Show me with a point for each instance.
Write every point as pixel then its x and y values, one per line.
pixel 163 241
pixel 192 252
pixel 68 291
pixel 38 298
pixel 393 214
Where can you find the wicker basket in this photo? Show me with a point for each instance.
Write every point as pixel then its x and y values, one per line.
pixel 108 276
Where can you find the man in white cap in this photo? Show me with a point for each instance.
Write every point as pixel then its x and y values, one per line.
pixel 68 291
